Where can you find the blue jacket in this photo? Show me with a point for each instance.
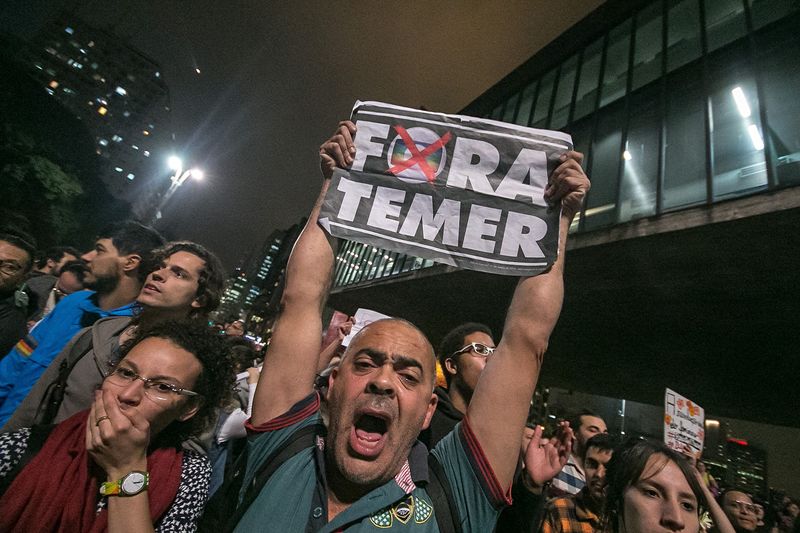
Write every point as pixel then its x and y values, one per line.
pixel 27 361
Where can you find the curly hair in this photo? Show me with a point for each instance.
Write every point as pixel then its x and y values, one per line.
pixel 216 379
pixel 212 276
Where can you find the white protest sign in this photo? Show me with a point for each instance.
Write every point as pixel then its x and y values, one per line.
pixel 363 318
pixel 684 428
pixel 459 190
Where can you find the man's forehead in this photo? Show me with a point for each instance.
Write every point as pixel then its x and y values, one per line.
pixel 393 336
pixel 591 420
pixel 733 495
pixel 187 260
pixel 10 248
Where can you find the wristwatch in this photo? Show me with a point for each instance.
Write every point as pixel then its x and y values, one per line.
pixel 130 485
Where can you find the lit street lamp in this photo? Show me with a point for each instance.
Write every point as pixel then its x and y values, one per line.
pixel 178 178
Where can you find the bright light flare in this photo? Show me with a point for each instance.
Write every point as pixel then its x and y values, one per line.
pixel 197 174
pixel 741 102
pixel 197 70
pixel 755 137
pixel 174 162
pixel 626 155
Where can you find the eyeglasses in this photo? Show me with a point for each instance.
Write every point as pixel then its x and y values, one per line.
pixel 479 349
pixel 154 389
pixel 746 507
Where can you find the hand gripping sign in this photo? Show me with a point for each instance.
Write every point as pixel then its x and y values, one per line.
pixel 462 191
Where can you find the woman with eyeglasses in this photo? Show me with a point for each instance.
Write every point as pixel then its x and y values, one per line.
pixel 119 466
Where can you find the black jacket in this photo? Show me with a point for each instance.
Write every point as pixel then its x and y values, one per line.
pixel 444 420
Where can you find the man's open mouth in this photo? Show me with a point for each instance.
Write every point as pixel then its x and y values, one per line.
pixel 368 436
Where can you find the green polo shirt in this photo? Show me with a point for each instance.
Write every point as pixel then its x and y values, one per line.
pixel 294 498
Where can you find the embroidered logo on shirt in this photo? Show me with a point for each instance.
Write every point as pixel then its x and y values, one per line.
pixel 402 511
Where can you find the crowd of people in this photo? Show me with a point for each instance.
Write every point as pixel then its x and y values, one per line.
pixel 123 410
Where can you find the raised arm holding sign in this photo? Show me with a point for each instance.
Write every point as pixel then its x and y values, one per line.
pixel 368 468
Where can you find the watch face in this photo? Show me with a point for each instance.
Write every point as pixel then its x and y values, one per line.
pixel 133 483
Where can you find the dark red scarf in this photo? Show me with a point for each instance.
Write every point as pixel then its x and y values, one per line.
pixel 58 489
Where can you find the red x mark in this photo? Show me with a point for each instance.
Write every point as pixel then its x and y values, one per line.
pixel 418 157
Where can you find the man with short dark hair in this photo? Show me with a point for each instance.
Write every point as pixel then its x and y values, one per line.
pixel 16 258
pixel 572 479
pixel 365 470
pixel 581 512
pixel 186 282
pixel 70 279
pixel 44 275
pixel 462 357
pixel 117 267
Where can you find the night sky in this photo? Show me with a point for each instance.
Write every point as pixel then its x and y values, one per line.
pixel 276 77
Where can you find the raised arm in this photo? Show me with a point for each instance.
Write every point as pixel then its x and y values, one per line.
pixel 291 362
pixel 499 406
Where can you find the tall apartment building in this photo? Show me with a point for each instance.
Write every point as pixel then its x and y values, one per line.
pixel 117 91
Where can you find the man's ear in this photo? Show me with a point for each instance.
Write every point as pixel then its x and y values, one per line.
pixel 199 302
pixel 131 262
pixel 331 378
pixel 431 409
pixel 450 366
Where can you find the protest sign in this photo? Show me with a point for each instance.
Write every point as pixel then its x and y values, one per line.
pixel 683 424
pixel 462 191
pixel 362 319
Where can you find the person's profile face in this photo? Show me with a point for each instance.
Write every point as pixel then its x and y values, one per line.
pixel 660 501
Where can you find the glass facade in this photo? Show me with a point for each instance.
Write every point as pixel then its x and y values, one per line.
pixel 678 103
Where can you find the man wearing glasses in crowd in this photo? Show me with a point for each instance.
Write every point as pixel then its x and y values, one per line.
pixel 16 260
pixel 740 510
pixel 462 356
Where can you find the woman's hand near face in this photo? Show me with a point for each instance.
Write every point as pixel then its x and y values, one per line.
pixel 116 439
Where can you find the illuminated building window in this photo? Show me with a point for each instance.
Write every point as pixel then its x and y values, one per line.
pixel 130 176
pixel 116 138
pixel 126 114
pixel 94 66
pixel 147 153
pixel 103 142
pixel 53 84
pixel 91 44
pixel 118 169
pixel 145 132
pixel 120 91
pixel 69 30
pixel 50 91
pixel 50 50
pixel 102 110
pixel 134 147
